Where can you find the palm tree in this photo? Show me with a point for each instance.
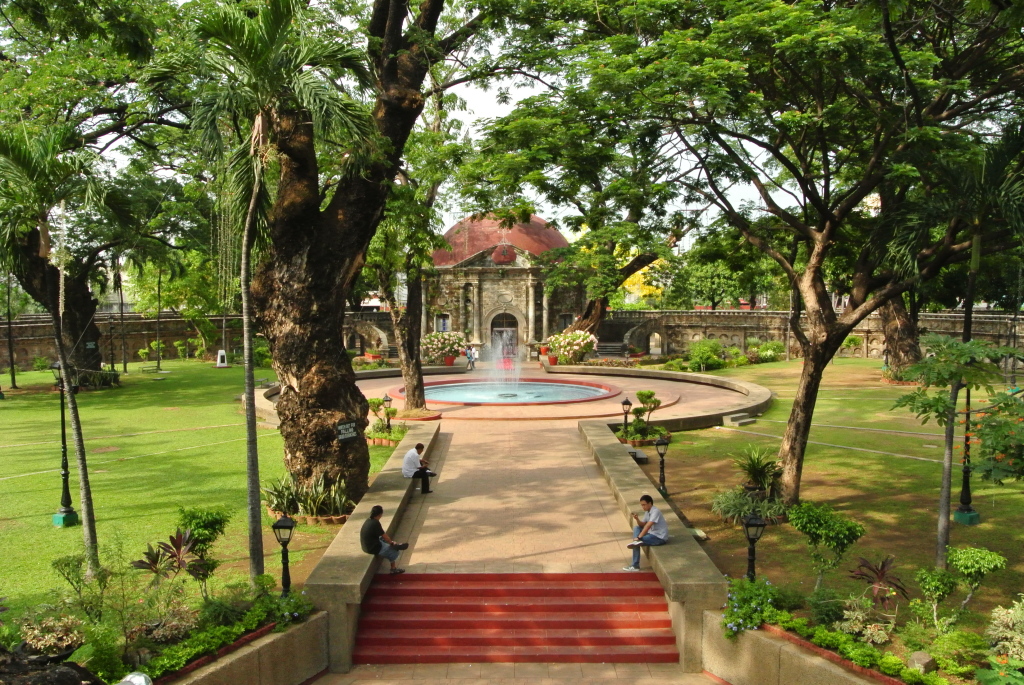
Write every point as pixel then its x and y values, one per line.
pixel 249 68
pixel 38 176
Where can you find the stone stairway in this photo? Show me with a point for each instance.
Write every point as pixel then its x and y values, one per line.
pixel 515 617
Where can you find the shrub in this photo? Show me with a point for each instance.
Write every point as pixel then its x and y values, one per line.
pixel 746 603
pixel 206 524
pixel 825 530
pixel 143 354
pixel 890 664
pixel 1006 630
pixel 830 639
pixel 791 599
pixel 574 346
pixel 936 585
pixel 916 635
pixel 853 342
pixel 181 346
pixel 826 607
pixel 760 466
pixel 1003 671
pixel 436 346
pixel 676 365
pixel 706 355
pixel 101 653
pixel 885 586
pixel 973 564
pixel 52 634
pixel 40 363
pixel 261 353
pixel 737 503
pixel 911 676
pixel 158 346
pixel 959 652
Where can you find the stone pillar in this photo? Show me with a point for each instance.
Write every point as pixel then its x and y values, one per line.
pixel 531 313
pixel 478 306
pixel 544 314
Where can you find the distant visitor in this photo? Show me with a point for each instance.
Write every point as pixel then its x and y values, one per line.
pixel 376 542
pixel 415 466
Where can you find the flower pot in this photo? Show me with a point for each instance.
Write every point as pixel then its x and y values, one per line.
pixel 274 514
pixel 449 361
pixel 552 360
pixel 372 357
pixel 544 350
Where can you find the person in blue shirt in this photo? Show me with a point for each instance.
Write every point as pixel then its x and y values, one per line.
pixel 650 530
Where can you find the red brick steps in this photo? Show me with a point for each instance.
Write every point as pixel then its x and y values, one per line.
pixel 515 617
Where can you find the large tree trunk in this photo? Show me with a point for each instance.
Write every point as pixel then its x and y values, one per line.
pixel 79 331
pixel 592 317
pixel 407 333
pixel 88 514
pixel 252 454
pixel 902 345
pixel 10 338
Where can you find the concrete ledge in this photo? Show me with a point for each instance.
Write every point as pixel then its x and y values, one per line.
pixel 759 398
pixel 287 658
pixel 691 580
pixel 344 572
pixel 760 658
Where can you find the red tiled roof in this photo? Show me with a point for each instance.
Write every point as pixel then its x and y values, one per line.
pixel 468 237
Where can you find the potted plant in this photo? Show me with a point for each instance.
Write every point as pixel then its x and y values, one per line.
pixel 761 469
pixel 553 359
pixel 372 355
pixel 544 350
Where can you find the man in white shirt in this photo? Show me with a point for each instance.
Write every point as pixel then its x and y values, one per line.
pixel 415 466
pixel 651 530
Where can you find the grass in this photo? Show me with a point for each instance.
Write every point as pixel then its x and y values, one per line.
pixel 895 498
pixel 152 446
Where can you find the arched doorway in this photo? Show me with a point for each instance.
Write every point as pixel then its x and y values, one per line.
pixel 654 345
pixel 505 335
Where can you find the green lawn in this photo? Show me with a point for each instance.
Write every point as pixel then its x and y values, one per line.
pixel 152 446
pixel 895 498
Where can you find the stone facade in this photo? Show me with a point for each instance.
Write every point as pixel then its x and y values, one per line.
pixel 33 336
pixel 478 296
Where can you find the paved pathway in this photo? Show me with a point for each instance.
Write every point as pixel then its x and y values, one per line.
pixel 514 496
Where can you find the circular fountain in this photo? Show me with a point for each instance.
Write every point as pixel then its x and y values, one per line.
pixel 516 392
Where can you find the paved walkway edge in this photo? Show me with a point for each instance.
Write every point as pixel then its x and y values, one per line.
pixel 342 576
pixel 759 398
pixel 691 580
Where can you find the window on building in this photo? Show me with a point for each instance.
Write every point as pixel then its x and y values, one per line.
pixel 564 321
pixel 443 323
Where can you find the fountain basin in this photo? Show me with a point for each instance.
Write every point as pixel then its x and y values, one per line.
pixel 527 391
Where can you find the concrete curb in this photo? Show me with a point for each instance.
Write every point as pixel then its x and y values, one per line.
pixel 343 574
pixel 759 398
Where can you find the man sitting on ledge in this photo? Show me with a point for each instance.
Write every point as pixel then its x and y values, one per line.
pixel 376 542
pixel 652 533
pixel 415 466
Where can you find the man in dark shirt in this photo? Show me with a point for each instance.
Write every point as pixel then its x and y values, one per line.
pixel 376 542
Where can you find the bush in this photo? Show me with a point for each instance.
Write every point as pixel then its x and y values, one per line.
pixel 890 664
pixel 261 353
pixel 706 355
pixel 911 676
pixel 826 607
pixel 206 523
pixel 143 353
pixel 676 365
pixel 1002 671
pixel 825 530
pixel 40 364
pixel 759 465
pixel 959 652
pixel 101 653
pixel 973 564
pixel 182 348
pixel 1006 630
pixel 746 603
pixel 830 639
pixel 574 346
pixel 936 586
pixel 737 503
pixel 791 599
pixel 436 346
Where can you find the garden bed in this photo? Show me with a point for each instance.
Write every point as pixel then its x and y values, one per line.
pixel 210 658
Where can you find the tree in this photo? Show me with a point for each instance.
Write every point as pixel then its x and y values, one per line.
pixel 36 178
pixel 708 283
pixel 585 153
pixel 815 109
pixel 403 246
pixel 950 367
pixel 825 530
pixel 260 69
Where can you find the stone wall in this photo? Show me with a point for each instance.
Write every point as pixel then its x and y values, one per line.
pixel 33 336
pixel 733 327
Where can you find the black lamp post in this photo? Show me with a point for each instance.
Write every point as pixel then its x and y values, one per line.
pixel 283 528
pixel 965 513
pixel 626 405
pixel 753 528
pixel 66 516
pixel 387 410
pixel 662 446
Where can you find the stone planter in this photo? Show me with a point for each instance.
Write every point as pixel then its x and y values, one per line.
pixel 223 651
pixel 828 654
pixel 552 360
pixel 372 357
pixel 449 361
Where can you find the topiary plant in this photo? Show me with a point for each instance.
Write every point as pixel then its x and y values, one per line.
pixel 973 564
pixel 825 529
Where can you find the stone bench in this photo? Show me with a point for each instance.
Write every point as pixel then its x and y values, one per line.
pixel 344 572
pixel 639 456
pixel 148 368
pixel 692 582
